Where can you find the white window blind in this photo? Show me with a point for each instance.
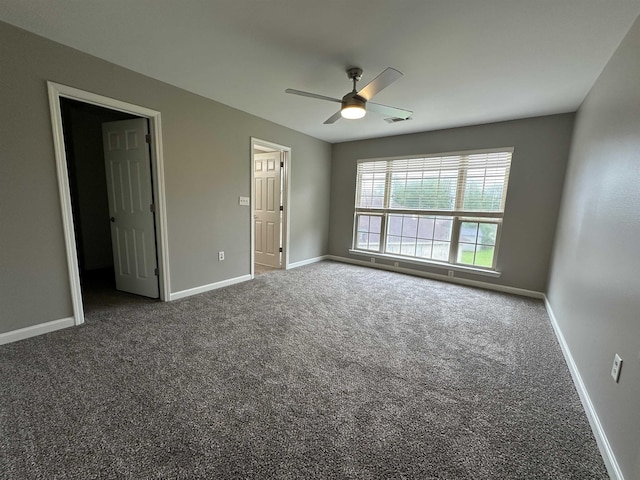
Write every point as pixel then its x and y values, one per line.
pixel 475 182
pixel 445 208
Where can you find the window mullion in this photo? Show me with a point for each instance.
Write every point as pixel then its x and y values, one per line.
pixel 495 247
pixel 455 232
pixel 385 204
pixel 455 238
pixel 462 181
pixel 472 205
pixel 383 233
pixel 387 187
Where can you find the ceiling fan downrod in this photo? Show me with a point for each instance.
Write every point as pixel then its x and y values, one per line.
pixel 353 105
pixel 354 74
pixel 356 103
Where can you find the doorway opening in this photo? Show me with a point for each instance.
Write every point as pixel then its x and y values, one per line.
pixel 270 165
pixel 111 188
pixel 110 176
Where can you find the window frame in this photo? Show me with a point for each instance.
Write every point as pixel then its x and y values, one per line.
pixel 458 214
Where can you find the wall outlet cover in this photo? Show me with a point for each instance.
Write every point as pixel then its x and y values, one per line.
pixel 615 370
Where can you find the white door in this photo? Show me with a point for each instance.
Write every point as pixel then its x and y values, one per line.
pixel 128 167
pixel 267 213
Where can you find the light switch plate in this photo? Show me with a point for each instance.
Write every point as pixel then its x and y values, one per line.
pixel 244 201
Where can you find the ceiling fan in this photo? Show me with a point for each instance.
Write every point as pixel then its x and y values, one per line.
pixel 355 104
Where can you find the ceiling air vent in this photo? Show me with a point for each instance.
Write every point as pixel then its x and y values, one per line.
pixel 396 119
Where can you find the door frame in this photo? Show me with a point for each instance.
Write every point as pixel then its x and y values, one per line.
pixel 257 143
pixel 57 91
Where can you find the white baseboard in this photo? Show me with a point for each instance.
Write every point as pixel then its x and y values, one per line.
pixel 444 278
pixel 34 330
pixel 308 261
pixel 207 288
pixel 598 432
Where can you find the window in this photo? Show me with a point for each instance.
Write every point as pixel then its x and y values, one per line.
pixel 444 208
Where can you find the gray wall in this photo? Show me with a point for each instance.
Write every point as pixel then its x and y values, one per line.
pixel 207 158
pixel 595 276
pixel 535 185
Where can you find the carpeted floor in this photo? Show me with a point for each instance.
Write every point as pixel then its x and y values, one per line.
pixel 262 269
pixel 326 371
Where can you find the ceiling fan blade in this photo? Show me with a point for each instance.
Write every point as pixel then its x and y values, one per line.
pixel 311 95
pixel 389 111
pixel 333 118
pixel 382 81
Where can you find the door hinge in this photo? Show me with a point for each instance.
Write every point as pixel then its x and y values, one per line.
pixel 280 249
pixel 147 138
pixel 281 208
pixel 155 271
pixel 152 207
pixel 281 164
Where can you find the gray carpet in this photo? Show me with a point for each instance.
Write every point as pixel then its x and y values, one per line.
pixel 262 269
pixel 325 371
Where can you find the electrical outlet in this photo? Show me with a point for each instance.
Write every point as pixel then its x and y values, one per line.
pixel 615 370
pixel 373 260
pixel 450 273
pixel 220 256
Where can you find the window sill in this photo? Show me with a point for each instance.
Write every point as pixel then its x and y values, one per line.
pixel 427 263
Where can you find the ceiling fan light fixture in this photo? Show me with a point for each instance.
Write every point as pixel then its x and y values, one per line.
pixel 353 112
pixel 354 103
pixel 353 106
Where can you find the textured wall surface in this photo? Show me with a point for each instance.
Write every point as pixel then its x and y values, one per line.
pixel 535 187
pixel 207 149
pixel 594 287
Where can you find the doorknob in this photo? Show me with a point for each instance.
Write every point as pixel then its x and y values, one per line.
pixel 113 219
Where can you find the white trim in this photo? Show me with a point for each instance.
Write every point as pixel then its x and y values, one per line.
pixel 286 214
pixel 65 203
pixel 598 432
pixel 435 155
pixel 308 261
pixel 436 276
pixel 56 92
pixel 35 330
pixel 427 263
pixel 462 163
pixel 264 148
pixel 259 144
pixel 209 287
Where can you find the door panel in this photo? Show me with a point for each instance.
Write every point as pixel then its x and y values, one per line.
pixel 271 199
pixel 259 236
pixel 128 169
pixel 267 176
pixel 258 195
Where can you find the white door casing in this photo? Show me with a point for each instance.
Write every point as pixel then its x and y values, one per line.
pixel 56 92
pixel 267 213
pixel 129 188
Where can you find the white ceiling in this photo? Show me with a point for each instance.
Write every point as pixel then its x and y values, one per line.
pixel 464 61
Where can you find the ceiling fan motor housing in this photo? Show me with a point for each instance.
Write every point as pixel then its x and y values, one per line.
pixel 352 99
pixel 354 104
pixel 354 73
